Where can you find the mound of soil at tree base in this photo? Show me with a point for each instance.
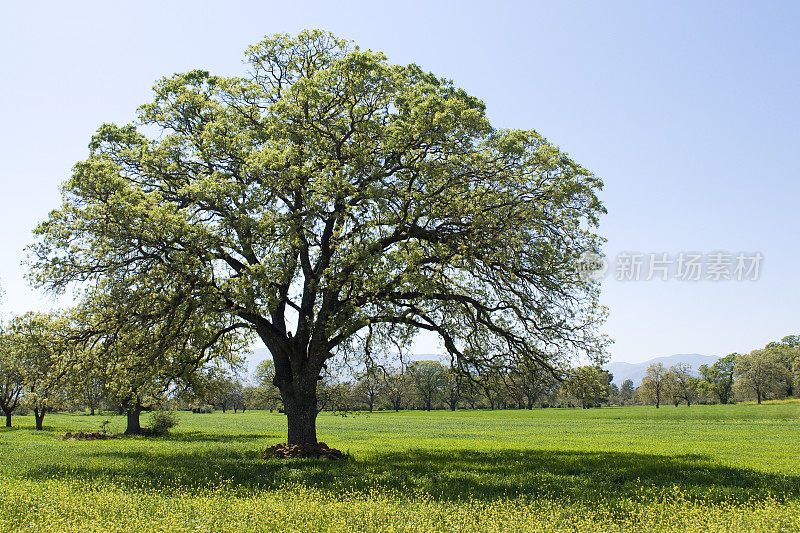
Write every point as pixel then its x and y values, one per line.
pixel 306 451
pixel 80 435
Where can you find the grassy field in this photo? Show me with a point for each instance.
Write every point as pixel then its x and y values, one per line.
pixel 704 468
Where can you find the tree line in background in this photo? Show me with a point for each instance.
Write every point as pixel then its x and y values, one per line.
pixel 54 362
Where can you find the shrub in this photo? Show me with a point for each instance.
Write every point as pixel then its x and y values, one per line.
pixel 161 422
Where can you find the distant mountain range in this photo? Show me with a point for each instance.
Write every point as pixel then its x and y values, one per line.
pixel 636 371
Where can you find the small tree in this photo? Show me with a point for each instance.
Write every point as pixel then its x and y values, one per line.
pixel 396 387
pixel 718 378
pixel 532 381
pixel 336 396
pixel 787 353
pixel 626 392
pixel 86 384
pixel 269 394
pixel 653 384
pixel 590 385
pixel 761 372
pixel 368 386
pixel 685 384
pixel 218 387
pixel 670 388
pixel 453 387
pixel 150 338
pixel 46 355
pixel 11 381
pixel 428 380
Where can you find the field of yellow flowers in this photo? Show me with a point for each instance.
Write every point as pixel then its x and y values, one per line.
pixel 703 468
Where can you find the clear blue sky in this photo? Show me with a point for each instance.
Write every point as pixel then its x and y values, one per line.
pixel 688 111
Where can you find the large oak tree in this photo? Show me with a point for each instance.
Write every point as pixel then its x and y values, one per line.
pixel 331 201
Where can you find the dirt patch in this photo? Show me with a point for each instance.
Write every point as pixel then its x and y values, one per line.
pixel 305 451
pixel 81 435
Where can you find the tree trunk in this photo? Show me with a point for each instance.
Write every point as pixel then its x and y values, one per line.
pixel 8 419
pixel 301 417
pixel 133 427
pixel 38 416
pixel 91 411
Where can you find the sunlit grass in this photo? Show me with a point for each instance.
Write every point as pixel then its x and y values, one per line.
pixel 704 468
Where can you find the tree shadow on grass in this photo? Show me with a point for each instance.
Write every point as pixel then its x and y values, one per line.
pixel 447 475
pixel 199 436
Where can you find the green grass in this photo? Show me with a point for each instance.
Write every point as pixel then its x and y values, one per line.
pixel 704 468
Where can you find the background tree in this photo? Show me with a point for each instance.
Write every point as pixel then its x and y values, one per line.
pixel 471 392
pixel 335 395
pixel 150 339
pixel 237 395
pixel 590 385
pixel 652 388
pixel 252 398
pixel 270 395
pixel 718 378
pixel 670 388
pixel 331 199
pixel 428 380
pixel 492 386
pixel 453 386
pixel 85 384
pixel 396 387
pixel 218 387
pixel 760 371
pixel 368 387
pixel 685 384
pixel 532 382
pixel 45 356
pixel 787 352
pixel 11 380
pixel 626 392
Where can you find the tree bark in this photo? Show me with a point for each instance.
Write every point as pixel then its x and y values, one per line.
pixel 38 416
pixel 301 416
pixel 133 427
pixel 8 419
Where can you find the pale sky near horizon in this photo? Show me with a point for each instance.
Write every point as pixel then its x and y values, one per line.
pixel 687 110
